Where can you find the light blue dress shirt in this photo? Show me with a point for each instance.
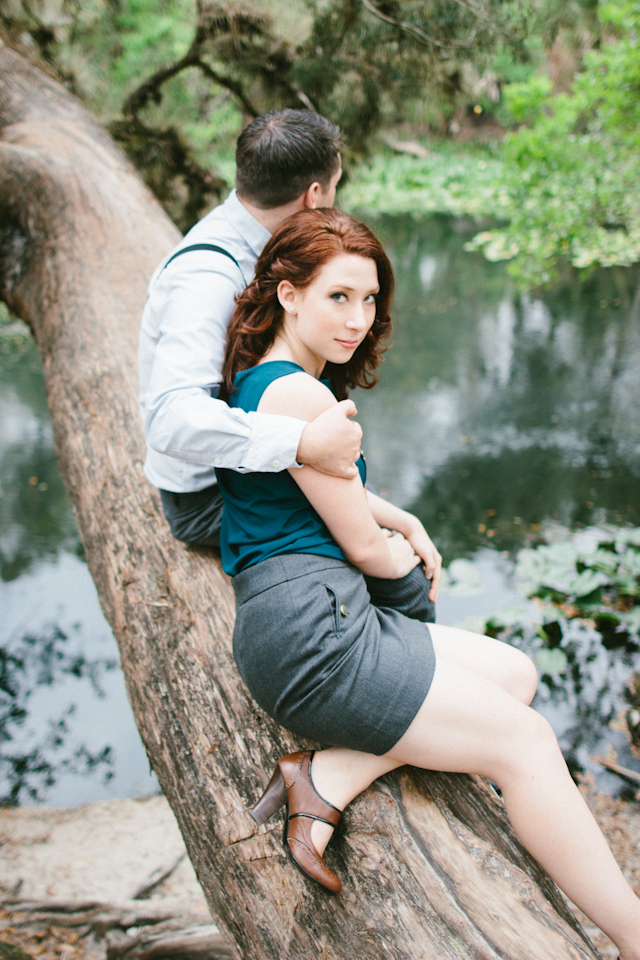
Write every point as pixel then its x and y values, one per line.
pixel 180 357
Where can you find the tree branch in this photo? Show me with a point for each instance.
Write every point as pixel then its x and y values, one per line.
pixel 417 32
pixel 230 84
pixel 160 929
pixel 150 89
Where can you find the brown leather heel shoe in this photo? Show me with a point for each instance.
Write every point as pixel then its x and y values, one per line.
pixel 291 783
pixel 303 807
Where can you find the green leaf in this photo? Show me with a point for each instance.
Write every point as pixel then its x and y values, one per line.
pixel 587 582
pixel 473 624
pixel 507 617
pixel 631 620
pixel 463 579
pixel 551 662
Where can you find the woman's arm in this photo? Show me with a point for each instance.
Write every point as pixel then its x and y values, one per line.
pixel 386 515
pixel 342 504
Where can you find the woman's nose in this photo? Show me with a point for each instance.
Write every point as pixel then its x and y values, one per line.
pixel 357 319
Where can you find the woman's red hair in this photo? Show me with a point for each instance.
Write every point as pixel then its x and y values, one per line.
pixel 296 252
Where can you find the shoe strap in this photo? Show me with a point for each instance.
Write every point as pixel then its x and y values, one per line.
pixel 312 816
pixel 303 798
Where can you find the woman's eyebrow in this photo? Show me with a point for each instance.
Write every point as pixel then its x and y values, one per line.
pixel 345 286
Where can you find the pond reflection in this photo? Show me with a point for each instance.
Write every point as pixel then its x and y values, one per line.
pixel 36 519
pixel 67 734
pixel 29 662
pixel 498 411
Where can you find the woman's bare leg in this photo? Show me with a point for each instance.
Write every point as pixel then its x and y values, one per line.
pixel 346 773
pixel 505 665
pixel 469 723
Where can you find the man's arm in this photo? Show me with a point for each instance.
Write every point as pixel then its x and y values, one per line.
pixel 331 442
pixel 182 345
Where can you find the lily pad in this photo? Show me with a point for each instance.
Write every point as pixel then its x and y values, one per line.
pixel 588 581
pixel 551 662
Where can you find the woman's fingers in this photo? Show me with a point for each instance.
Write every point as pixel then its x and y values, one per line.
pixel 403 554
pixel 426 550
pixel 418 548
pixel 433 570
pixel 435 583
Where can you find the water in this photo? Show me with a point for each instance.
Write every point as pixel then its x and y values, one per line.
pixel 67 734
pixel 502 418
pixel 498 417
pixel 501 410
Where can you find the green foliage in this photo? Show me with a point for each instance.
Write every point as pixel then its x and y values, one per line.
pixel 580 589
pixel 446 181
pixel 595 583
pixel 105 52
pixel 573 174
pixel 527 100
pixel 176 79
pixel 14 335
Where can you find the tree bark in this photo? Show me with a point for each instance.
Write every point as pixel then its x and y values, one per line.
pixel 431 868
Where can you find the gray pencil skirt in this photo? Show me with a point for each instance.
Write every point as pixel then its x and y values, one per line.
pixel 322 660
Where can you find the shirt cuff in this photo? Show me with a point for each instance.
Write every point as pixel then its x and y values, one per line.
pixel 274 443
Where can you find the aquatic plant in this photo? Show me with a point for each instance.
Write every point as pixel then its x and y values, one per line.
pixel 28 767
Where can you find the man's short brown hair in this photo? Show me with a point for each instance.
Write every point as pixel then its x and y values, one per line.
pixel 282 153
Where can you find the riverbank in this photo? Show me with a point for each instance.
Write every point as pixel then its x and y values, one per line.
pixel 103 862
pixel 79 881
pixel 448 179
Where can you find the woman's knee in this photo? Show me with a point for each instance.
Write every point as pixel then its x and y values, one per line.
pixel 523 681
pixel 532 744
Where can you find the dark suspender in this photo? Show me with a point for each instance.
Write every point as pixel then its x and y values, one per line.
pixel 204 246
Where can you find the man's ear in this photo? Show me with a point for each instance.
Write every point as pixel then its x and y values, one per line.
pixel 287 296
pixel 310 196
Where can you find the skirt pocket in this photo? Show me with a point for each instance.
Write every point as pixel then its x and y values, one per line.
pixel 334 608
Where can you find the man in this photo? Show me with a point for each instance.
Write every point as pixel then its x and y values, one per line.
pixel 286 161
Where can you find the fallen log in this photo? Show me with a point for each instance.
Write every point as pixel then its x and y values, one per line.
pixel 156 878
pixel 130 930
pixel 191 943
pixel 431 868
pixel 632 775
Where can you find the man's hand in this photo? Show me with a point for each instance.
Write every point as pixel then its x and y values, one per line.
pixel 331 442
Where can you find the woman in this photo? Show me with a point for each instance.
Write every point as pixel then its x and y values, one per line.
pixel 380 687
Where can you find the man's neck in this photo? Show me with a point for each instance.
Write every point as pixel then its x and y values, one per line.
pixel 272 218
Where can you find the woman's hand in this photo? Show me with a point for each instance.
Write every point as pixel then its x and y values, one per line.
pixel 402 553
pixel 426 550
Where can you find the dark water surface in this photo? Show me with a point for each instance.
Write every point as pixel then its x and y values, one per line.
pixel 498 418
pixel 501 409
pixel 67 735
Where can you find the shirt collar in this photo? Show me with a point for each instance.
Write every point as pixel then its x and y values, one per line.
pixel 252 232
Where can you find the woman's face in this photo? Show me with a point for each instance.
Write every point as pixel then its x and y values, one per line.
pixel 330 318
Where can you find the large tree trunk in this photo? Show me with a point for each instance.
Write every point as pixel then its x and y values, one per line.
pixel 430 866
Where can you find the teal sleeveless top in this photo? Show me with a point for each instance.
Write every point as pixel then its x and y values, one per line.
pixel 266 514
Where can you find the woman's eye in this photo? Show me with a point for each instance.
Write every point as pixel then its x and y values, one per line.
pixel 339 297
pixel 371 298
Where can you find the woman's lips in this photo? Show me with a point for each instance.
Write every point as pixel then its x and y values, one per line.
pixel 349 344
